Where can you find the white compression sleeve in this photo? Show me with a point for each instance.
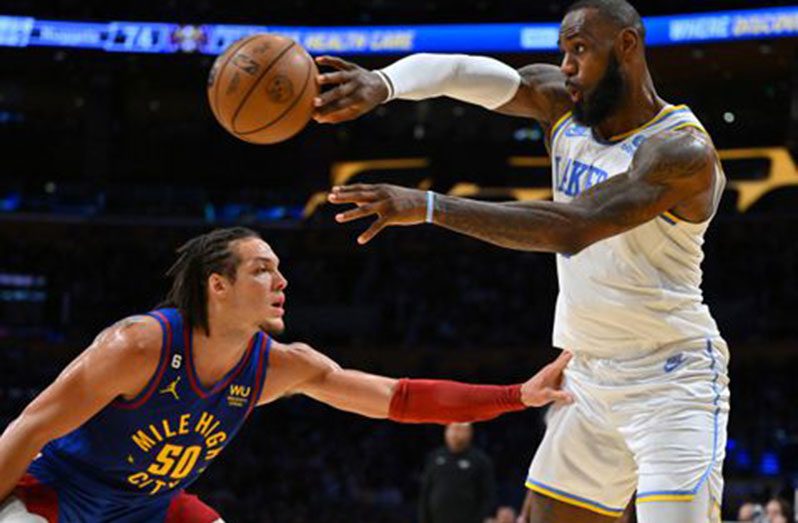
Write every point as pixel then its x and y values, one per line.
pixel 474 79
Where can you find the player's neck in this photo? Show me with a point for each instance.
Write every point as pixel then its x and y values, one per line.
pixel 638 107
pixel 215 354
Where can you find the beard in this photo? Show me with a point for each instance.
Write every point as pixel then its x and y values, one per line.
pixel 592 109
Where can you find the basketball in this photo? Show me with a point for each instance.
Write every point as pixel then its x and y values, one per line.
pixel 261 88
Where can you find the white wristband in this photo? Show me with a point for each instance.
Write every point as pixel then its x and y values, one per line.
pixel 430 206
pixel 388 85
pixel 474 79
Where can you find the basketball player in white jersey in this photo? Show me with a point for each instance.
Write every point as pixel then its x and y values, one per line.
pixel 636 181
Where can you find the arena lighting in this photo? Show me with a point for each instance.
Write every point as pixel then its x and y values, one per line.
pixel 149 37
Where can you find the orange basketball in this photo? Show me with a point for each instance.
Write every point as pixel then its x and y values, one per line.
pixel 261 88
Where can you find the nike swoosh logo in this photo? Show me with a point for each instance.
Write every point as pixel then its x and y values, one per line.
pixel 673 362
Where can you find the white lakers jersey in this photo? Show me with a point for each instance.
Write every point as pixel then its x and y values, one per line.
pixel 640 290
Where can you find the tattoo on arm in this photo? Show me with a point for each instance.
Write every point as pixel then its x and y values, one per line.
pixel 666 170
pixel 542 95
pixel 119 326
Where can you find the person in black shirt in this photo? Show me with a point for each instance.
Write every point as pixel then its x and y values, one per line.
pixel 458 484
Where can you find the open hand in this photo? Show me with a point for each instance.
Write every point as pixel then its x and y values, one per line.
pixel 546 386
pixel 356 92
pixel 393 205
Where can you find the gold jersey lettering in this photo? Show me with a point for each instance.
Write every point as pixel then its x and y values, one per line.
pixel 212 429
pixel 217 438
pixel 212 453
pixel 141 479
pixel 240 390
pixel 204 423
pixel 155 433
pixel 183 427
pixel 158 486
pixel 143 441
pixel 186 462
pixel 167 430
pixel 165 460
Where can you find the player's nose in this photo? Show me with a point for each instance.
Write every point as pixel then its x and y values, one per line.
pixel 281 281
pixel 568 65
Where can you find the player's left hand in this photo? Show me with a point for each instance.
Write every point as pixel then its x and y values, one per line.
pixel 546 386
pixel 393 205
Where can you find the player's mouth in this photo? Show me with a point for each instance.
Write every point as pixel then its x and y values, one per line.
pixel 277 305
pixel 574 93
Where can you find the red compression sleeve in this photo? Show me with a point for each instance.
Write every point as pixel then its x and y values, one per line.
pixel 438 401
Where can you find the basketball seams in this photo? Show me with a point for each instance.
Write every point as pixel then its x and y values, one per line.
pixel 233 51
pixel 287 110
pixel 255 85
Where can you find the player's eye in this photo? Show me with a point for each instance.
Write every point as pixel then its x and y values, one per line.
pixel 579 48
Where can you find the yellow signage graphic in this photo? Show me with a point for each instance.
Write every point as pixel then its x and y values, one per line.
pixel 782 172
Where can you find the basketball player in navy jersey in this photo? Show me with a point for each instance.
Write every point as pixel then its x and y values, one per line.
pixel 149 405
pixel 635 183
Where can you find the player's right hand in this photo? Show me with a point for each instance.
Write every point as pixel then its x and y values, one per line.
pixel 393 205
pixel 356 91
pixel 546 386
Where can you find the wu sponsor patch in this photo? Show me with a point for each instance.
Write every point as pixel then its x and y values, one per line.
pixel 238 395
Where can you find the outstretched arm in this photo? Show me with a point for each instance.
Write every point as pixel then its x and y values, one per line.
pixel 297 368
pixel 668 169
pixel 119 362
pixel 535 91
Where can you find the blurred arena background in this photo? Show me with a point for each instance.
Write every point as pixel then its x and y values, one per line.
pixel 111 158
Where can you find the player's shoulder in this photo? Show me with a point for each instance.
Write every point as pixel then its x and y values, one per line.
pixel 684 150
pixel 295 354
pixel 545 86
pixel 681 160
pixel 291 349
pixel 134 338
pixel 299 360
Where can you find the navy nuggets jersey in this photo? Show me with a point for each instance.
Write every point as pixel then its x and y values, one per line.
pixel 126 463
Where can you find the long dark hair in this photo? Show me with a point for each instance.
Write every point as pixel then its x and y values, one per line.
pixel 197 259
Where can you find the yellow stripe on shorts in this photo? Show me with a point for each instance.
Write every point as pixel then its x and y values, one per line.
pixel 576 501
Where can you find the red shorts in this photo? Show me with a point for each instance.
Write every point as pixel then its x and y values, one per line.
pixel 38 498
pixel 42 500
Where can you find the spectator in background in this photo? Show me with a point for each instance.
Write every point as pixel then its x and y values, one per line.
pixel 458 484
pixel 778 510
pixel 750 511
pixel 505 514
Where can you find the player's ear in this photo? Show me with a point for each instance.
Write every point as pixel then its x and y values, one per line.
pixel 217 284
pixel 628 43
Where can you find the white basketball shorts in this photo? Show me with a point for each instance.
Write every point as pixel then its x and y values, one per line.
pixel 655 425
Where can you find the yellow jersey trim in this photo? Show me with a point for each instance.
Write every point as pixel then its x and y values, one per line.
pixel 558 124
pixel 672 216
pixel 659 116
pixel 569 500
pixel 690 124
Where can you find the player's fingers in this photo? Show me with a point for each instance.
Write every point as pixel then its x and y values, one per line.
pixel 355 214
pixel 334 61
pixel 333 78
pixel 372 231
pixel 561 362
pixel 353 187
pixel 359 197
pixel 344 115
pixel 337 110
pixel 335 99
pixel 559 396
